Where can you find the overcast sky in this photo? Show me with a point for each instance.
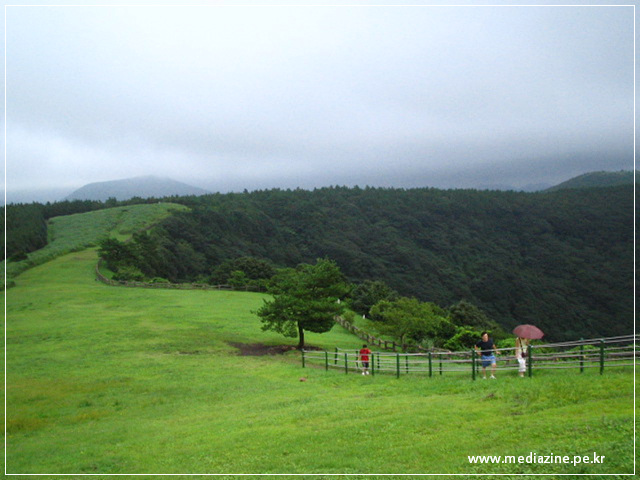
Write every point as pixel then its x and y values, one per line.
pixel 235 97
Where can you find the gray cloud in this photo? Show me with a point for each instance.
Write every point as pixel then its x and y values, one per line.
pixel 258 97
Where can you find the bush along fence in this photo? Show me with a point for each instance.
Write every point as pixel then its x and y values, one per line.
pixel 375 341
pixel 600 354
pixel 175 286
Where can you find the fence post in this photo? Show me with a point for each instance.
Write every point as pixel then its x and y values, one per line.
pixel 530 360
pixel 581 356
pixel 430 368
pixel 601 356
pixel 373 363
pixel 397 365
pixel 346 364
pixel 335 360
pixel 473 364
pixel 302 358
pixel 326 360
pixel 406 361
pixel 440 360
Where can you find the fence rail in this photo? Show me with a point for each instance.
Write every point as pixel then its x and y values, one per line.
pixel 363 335
pixel 598 353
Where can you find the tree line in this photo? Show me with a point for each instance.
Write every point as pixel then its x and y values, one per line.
pixel 561 260
pixel 309 298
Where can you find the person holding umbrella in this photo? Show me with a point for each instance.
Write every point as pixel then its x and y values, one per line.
pixel 488 352
pixel 525 333
pixel 521 354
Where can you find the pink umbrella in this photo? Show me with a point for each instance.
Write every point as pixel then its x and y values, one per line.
pixel 528 331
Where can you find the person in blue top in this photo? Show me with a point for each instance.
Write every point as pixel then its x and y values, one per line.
pixel 488 352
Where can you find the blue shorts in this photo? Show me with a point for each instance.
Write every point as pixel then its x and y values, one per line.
pixel 488 360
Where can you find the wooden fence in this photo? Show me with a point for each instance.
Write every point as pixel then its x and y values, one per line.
pixel 370 339
pixel 599 354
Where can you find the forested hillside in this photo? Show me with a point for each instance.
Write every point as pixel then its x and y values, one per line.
pixel 28 229
pixel 598 179
pixel 561 260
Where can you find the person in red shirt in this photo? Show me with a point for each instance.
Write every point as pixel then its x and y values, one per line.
pixel 364 359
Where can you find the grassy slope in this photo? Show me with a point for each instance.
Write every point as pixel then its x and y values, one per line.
pixel 115 380
pixel 71 233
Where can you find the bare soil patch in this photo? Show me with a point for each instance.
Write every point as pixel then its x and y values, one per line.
pixel 260 349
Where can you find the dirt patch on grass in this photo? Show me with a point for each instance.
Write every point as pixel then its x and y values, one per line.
pixel 259 349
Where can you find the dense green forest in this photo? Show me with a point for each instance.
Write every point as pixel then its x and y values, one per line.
pixel 562 260
pixel 28 228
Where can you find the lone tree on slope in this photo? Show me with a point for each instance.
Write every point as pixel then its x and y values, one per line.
pixel 305 298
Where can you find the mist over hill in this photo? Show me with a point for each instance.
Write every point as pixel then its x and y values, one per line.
pixel 143 187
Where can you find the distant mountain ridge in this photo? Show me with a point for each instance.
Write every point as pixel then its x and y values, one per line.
pixel 143 187
pixel 158 187
pixel 597 179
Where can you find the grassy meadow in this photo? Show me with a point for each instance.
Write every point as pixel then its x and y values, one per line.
pixel 116 380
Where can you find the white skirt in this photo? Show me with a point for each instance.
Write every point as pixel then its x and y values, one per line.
pixel 523 365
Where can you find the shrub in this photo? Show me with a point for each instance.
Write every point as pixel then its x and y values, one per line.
pixel 464 339
pixel 128 274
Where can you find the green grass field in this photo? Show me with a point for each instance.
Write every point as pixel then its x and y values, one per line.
pixel 104 380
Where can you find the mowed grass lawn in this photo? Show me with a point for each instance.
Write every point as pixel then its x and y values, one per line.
pixel 104 380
